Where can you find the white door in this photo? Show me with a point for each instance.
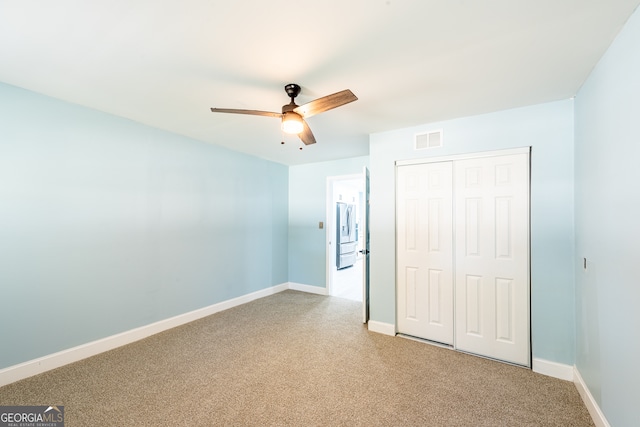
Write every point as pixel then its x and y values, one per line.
pixel 492 257
pixel 425 251
pixel 365 249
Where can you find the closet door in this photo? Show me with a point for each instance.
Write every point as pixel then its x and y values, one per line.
pixel 425 251
pixel 492 257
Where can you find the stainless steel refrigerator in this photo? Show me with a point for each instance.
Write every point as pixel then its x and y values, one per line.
pixel 346 241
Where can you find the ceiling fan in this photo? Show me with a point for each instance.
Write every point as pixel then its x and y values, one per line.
pixel 293 116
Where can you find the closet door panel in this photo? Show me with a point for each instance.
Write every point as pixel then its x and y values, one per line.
pixel 425 251
pixel 492 257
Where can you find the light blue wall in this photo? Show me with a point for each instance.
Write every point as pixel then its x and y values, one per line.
pixel 307 207
pixel 548 129
pixel 107 225
pixel 607 211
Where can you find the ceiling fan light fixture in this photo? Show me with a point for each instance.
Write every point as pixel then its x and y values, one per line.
pixel 292 123
pixel 293 116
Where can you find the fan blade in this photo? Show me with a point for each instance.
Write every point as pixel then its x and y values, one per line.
pixel 251 112
pixel 306 135
pixel 325 103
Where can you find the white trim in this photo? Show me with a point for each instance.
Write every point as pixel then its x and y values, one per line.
pixel 493 153
pixel 382 328
pixel 571 373
pixel 553 369
pixel 594 410
pixel 307 288
pixel 64 357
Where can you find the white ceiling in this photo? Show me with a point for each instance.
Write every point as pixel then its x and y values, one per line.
pixel 164 63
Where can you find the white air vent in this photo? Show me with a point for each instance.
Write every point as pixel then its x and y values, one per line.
pixel 431 139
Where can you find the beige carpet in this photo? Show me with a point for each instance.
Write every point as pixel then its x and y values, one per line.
pixel 301 360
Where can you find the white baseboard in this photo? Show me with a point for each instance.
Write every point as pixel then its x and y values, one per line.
pixel 553 369
pixel 307 288
pixel 61 358
pixel 594 410
pixel 571 373
pixel 64 357
pixel 382 328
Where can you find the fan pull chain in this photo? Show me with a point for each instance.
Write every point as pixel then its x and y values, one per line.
pixel 283 137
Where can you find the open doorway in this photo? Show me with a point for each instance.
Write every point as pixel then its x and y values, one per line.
pixel 345 217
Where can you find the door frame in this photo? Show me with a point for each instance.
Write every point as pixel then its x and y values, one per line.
pixel 330 224
pixel 366 245
pixel 464 156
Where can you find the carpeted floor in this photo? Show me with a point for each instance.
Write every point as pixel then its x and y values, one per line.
pixel 301 360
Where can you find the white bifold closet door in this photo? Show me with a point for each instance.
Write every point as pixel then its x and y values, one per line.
pixel 463 254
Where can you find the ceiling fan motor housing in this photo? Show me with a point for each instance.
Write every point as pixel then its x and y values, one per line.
pixel 292 90
pixel 289 107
